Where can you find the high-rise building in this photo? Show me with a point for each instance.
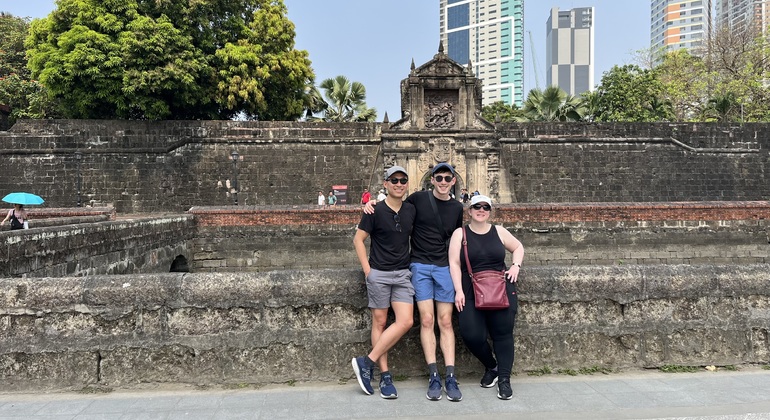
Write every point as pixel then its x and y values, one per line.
pixel 739 15
pixel 569 49
pixel 490 35
pixel 679 24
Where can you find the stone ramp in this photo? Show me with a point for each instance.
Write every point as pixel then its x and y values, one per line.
pixel 743 394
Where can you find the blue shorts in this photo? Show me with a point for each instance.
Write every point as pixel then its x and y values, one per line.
pixel 432 282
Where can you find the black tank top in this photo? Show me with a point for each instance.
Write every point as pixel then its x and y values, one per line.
pixel 486 251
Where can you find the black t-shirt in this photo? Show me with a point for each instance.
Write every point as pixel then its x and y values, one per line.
pixel 428 245
pixel 389 249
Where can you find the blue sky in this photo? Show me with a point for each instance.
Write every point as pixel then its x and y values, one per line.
pixel 374 42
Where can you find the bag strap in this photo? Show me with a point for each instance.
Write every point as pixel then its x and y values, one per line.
pixel 465 252
pixel 439 223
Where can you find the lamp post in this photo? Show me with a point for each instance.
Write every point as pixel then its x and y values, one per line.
pixel 234 156
pixel 78 158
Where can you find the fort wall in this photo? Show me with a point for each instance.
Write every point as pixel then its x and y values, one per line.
pixel 279 326
pixel 171 166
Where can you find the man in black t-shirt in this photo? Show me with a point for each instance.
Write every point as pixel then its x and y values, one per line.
pixel 388 278
pixel 434 290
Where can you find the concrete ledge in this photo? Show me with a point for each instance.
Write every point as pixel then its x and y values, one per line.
pixel 270 327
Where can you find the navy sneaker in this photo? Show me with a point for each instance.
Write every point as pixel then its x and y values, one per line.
pixel 387 389
pixel 363 374
pixel 489 379
pixel 434 387
pixel 452 390
pixel 504 391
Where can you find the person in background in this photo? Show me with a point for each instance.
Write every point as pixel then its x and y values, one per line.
pixel 17 215
pixel 487 245
pixel 366 196
pixel 388 278
pixel 464 196
pixel 321 198
pixel 381 196
pixel 331 199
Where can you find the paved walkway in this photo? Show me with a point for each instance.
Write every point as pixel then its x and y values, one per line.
pixel 723 395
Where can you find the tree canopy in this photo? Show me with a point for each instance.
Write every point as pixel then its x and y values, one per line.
pixel 162 59
pixel 346 101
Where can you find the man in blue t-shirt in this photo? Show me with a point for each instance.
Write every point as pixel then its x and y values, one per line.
pixel 434 291
pixel 388 278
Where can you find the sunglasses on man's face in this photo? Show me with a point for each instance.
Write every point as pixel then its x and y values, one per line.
pixel 485 207
pixel 395 181
pixel 440 178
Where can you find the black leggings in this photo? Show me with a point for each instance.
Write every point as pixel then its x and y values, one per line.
pixel 476 324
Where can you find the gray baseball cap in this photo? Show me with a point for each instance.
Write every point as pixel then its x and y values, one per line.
pixel 393 169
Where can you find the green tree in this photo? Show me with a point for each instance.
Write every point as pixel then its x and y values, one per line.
pixel 624 94
pixel 26 97
pixel 722 108
pixel 683 81
pixel 553 104
pixel 660 109
pixel 346 101
pixel 501 112
pixel 149 59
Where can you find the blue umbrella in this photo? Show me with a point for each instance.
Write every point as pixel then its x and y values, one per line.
pixel 23 198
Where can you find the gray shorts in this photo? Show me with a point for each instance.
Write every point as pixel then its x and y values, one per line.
pixel 384 287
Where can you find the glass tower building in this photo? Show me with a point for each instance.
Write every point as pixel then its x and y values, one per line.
pixel 490 35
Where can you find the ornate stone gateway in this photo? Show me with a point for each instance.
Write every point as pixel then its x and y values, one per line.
pixel 441 122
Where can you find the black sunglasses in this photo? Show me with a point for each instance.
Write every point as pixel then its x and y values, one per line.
pixel 398 221
pixel 395 181
pixel 447 178
pixel 485 207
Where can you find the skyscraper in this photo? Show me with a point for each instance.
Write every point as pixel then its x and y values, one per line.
pixel 570 49
pixel 490 35
pixel 678 24
pixel 738 15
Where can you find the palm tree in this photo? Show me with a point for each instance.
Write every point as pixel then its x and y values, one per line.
pixel 346 101
pixel 721 107
pixel 313 103
pixel 661 109
pixel 553 104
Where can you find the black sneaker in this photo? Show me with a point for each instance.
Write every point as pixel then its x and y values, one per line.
pixel 434 387
pixel 489 379
pixel 504 391
pixel 387 389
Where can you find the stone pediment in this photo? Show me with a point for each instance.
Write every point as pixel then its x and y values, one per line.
pixel 441 66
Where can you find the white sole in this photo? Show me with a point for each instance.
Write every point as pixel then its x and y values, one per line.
pixel 358 376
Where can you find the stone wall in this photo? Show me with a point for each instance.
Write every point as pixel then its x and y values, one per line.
pixel 577 162
pixel 142 166
pixel 259 239
pixel 128 245
pixel 279 326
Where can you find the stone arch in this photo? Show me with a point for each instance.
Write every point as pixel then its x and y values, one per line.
pixel 179 265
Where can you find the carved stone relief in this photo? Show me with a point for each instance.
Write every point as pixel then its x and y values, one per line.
pixel 440 108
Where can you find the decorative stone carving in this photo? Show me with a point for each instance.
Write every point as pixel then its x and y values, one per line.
pixel 442 149
pixel 440 108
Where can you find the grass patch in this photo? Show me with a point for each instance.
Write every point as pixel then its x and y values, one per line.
pixel 595 369
pixel 545 370
pixel 678 369
pixel 400 377
pixel 240 385
pixel 766 367
pixel 730 367
pixel 95 389
pixel 291 382
pixel 570 372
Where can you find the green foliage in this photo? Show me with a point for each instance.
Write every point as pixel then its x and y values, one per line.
pixel 26 97
pixel 595 369
pixel 149 59
pixel 553 104
pixel 683 85
pixel 545 370
pixel 624 95
pixel 346 101
pixel 678 369
pixel 502 112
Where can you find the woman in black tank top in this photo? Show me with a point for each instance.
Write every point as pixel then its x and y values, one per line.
pixel 487 246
